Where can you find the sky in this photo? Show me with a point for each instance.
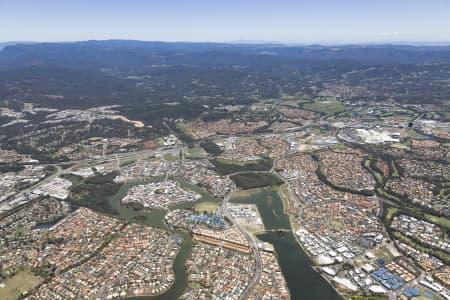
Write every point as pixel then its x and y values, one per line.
pixel 288 21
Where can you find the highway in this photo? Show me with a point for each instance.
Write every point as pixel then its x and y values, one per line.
pixel 112 162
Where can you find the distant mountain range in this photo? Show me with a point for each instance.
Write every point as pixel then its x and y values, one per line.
pixel 139 73
pixel 4 44
pixel 138 54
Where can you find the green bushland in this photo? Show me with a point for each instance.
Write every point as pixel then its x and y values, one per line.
pixel 441 221
pixel 4 168
pixel 75 179
pixel 444 190
pixel 405 206
pixel 252 180
pixel 182 132
pixel 391 212
pixel 394 169
pixel 226 167
pixel 368 164
pixel 93 192
pixel 380 191
pixel 102 178
pixel 127 162
pixel 421 247
pixel 211 147
pixel 415 212
pixel 444 193
pixel 325 180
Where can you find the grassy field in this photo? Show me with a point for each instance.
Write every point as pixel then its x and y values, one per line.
pixel 289 202
pixel 196 153
pixel 206 206
pixel 127 162
pixel 326 106
pixel 401 145
pixel 439 254
pixel 384 252
pixel 243 194
pixel 390 213
pixel 171 157
pixel 339 147
pixel 253 230
pixel 18 284
pixel 442 221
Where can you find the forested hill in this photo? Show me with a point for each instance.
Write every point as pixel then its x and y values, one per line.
pixel 138 54
pixel 92 73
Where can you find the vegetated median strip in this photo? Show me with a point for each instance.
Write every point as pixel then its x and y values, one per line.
pixel 404 207
pixel 380 191
pixel 377 175
pixel 416 245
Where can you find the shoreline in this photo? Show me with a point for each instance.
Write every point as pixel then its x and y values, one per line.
pixel 314 265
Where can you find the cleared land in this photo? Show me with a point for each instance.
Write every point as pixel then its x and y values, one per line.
pixel 325 106
pixel 196 153
pixel 18 284
pixel 243 194
pixel 207 206
pixel 171 157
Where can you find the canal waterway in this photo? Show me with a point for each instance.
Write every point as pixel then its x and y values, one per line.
pixel 155 218
pixel 302 280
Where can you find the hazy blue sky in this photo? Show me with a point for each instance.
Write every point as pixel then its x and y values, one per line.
pixel 226 20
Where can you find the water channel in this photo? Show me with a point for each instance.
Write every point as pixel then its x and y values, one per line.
pixel 303 281
pixel 155 218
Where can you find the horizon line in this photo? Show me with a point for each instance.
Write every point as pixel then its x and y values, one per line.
pixel 254 42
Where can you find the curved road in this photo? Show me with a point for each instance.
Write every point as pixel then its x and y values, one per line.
pixel 251 242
